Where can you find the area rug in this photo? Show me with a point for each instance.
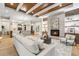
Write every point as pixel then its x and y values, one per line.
pixel 61 49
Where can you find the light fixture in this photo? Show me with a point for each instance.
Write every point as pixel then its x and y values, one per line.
pixel 36 15
pixel 60 5
pixel 23 8
pixel 32 12
pixel 45 5
pixel 11 3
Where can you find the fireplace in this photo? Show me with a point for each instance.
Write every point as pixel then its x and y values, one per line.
pixel 54 32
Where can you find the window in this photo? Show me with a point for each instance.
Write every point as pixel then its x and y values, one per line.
pixel 45 26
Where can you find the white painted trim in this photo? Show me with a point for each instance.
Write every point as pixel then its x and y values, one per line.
pixel 44 10
pixel 34 7
pixel 19 6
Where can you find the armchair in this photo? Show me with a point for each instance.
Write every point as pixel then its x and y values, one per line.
pixel 68 40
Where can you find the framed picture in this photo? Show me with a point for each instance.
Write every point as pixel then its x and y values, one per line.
pixel 71 30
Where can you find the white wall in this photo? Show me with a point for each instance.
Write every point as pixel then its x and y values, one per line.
pixel 2 6
pixel 0 24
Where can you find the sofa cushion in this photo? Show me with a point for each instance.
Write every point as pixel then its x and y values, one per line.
pixel 32 46
pixel 29 44
pixel 70 37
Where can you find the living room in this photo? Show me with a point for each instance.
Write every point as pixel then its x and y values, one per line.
pixel 39 29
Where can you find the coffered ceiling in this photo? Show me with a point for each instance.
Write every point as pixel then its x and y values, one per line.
pixel 36 9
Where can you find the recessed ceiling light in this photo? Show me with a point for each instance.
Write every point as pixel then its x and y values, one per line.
pixel 60 5
pixel 32 12
pixel 37 15
pixel 23 8
pixel 11 3
pixel 45 5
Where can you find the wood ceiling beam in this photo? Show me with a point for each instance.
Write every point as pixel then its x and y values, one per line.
pixel 44 10
pixel 57 11
pixel 19 6
pixel 34 7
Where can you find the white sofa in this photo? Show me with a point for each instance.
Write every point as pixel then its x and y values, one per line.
pixel 22 47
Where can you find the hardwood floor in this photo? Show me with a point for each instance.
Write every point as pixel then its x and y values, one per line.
pixel 7 48
pixel 75 50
